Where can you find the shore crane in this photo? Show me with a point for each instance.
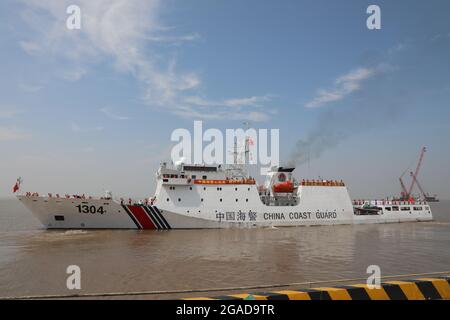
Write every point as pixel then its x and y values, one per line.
pixel 406 194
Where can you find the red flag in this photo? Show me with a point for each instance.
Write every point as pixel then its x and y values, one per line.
pixel 17 185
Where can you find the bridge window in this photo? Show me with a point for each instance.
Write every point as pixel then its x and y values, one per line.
pixel 204 177
pixel 394 208
pixel 405 208
pixel 387 208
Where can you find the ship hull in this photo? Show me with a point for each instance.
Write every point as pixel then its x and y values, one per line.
pixel 73 213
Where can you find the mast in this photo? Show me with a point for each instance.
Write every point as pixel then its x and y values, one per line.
pixel 246 144
pixel 235 153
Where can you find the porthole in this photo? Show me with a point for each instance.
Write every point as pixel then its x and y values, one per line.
pixel 220 199
pixel 201 199
pixel 246 200
pixel 179 200
pixel 236 200
pixel 190 188
pixel 235 189
pixel 167 199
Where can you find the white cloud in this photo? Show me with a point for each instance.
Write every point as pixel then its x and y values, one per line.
pixel 242 102
pixel 113 115
pixel 254 116
pixel 8 113
pixel 110 28
pixel 30 47
pixel 343 86
pixel 12 134
pixel 232 109
pixel 122 31
pixel 397 48
pixel 29 88
pixel 73 74
pixel 76 128
pixel 254 101
pixel 174 39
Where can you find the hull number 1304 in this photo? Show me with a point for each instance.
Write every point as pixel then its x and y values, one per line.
pixel 90 209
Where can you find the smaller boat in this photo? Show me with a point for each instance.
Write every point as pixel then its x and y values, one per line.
pixel 283 187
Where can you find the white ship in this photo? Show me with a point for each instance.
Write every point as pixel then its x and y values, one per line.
pixel 216 196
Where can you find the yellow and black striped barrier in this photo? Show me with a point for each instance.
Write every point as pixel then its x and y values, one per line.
pixel 418 289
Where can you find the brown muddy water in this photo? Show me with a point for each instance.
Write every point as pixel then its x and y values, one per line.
pixel 33 261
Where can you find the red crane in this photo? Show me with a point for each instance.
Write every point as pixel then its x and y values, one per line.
pixel 416 173
pixel 406 193
pixel 425 195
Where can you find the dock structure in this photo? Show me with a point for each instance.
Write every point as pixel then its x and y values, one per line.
pixel 436 288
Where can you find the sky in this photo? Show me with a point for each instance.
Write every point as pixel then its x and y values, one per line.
pixel 89 110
